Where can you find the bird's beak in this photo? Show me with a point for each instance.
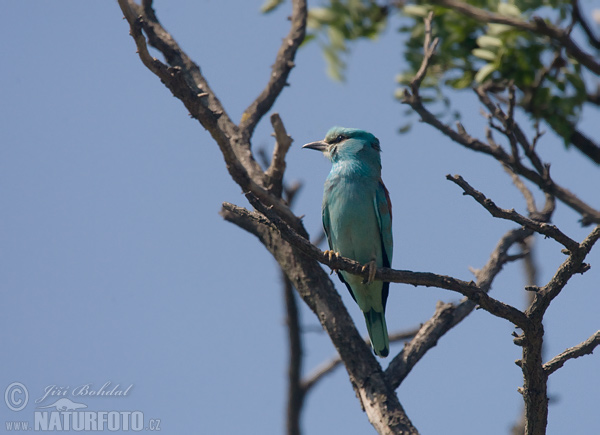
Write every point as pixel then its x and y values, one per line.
pixel 318 145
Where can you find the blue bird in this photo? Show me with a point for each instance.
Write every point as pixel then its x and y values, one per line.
pixel 357 218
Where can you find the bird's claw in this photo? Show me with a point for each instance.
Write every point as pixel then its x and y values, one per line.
pixel 372 268
pixel 331 255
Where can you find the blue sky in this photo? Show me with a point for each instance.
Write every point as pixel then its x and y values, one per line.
pixel 116 266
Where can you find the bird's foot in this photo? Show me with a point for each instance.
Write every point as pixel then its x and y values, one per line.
pixel 331 255
pixel 372 268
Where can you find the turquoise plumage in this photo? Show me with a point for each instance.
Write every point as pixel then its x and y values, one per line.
pixel 357 218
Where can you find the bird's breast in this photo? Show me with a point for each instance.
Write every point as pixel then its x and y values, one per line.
pixel 354 228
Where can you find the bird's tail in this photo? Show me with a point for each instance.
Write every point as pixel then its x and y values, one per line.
pixel 378 332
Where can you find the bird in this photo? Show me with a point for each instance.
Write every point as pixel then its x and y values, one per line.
pixel 357 219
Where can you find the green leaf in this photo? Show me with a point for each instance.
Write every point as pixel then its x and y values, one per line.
pixel 484 54
pixel 509 10
pixel 399 93
pixel 336 38
pixel 498 29
pixel 486 41
pixel 335 65
pixel 484 72
pixel 461 82
pixel 318 17
pixel 270 6
pixel 404 78
pixel 415 11
pixel 405 128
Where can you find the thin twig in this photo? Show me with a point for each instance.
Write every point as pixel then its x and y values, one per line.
pixel 545 229
pixel 584 348
pixel 529 199
pixel 574 264
pixel 275 171
pixel 279 72
pixel 588 213
pixel 429 50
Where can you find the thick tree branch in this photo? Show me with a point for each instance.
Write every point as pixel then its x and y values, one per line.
pixel 584 144
pixel 584 348
pixel 284 236
pixel 579 18
pixel 316 289
pixel 185 80
pixel 535 377
pixel 182 76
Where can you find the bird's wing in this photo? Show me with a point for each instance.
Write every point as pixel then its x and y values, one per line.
pixel 326 224
pixel 383 209
pixel 326 227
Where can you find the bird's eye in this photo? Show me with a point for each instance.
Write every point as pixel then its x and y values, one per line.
pixel 338 138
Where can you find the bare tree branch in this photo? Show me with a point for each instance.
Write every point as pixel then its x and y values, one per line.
pixel 460 136
pixel 447 316
pixel 425 339
pixel 583 348
pixel 378 400
pixel 280 71
pixel 276 169
pixel 283 234
pixel 296 393
pixel 584 144
pixel 429 47
pixel 589 214
pixel 468 289
pixel 529 199
pixel 574 264
pixel 330 365
pixel 185 80
pixel 535 379
pixel 547 230
pixel 578 17
pixel 535 382
pixel 512 131
pixel 549 206
pixel 531 271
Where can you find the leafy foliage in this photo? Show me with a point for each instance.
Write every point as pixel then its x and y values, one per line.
pixel 343 21
pixel 470 53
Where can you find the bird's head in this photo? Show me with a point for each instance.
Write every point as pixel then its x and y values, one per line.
pixel 347 144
